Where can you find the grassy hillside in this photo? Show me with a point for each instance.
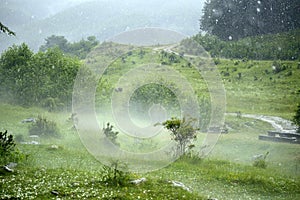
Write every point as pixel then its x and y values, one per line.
pixel 70 172
pixel 61 167
pixel 257 87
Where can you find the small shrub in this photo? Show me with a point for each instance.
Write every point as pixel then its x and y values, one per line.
pixel 226 74
pixel 237 62
pixel 290 73
pixel 8 152
pixel 217 61
pixel 245 59
pixel 115 174
pixel 110 134
pixel 278 67
pixel 239 75
pixel 43 127
pixel 191 157
pixel 261 162
pixel 52 104
pixel 250 65
pixel 7 143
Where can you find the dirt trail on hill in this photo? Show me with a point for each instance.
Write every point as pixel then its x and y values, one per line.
pixel 278 123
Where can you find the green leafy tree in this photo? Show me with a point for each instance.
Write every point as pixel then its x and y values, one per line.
pixel 14 67
pixel 43 79
pixel 55 41
pixel 79 49
pixel 297 119
pixel 54 77
pixel 182 132
pixel 232 19
pixel 83 47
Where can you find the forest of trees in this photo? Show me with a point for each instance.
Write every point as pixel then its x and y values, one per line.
pixel 235 19
pixel 281 46
pixel 45 78
pixel 79 49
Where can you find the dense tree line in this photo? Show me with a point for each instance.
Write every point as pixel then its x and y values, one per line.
pixel 283 46
pixel 44 78
pixel 79 49
pixel 235 19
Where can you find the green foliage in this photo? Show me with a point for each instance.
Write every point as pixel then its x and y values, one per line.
pixel 261 162
pixel 62 183
pixel 278 67
pixel 55 41
pixel 76 174
pixel 8 152
pixel 233 19
pixel 191 158
pixel 296 118
pixel 14 64
pixel 183 132
pixel 7 143
pixel 282 46
pixel 43 127
pixel 114 175
pixel 151 94
pixel 110 134
pixel 79 49
pixel 44 79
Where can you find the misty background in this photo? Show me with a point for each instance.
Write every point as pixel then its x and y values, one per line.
pixel 35 20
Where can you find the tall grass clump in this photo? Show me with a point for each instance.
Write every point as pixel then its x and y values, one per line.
pixel 44 127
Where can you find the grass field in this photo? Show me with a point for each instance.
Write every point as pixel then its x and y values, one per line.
pixel 61 167
pixel 226 174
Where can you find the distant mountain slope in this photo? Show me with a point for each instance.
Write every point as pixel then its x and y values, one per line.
pixel 17 12
pixel 104 18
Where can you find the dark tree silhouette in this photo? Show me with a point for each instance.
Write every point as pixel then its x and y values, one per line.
pixel 5 29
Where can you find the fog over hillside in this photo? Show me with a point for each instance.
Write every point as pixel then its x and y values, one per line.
pixel 35 20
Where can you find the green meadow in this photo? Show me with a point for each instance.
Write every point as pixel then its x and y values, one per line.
pixel 60 167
